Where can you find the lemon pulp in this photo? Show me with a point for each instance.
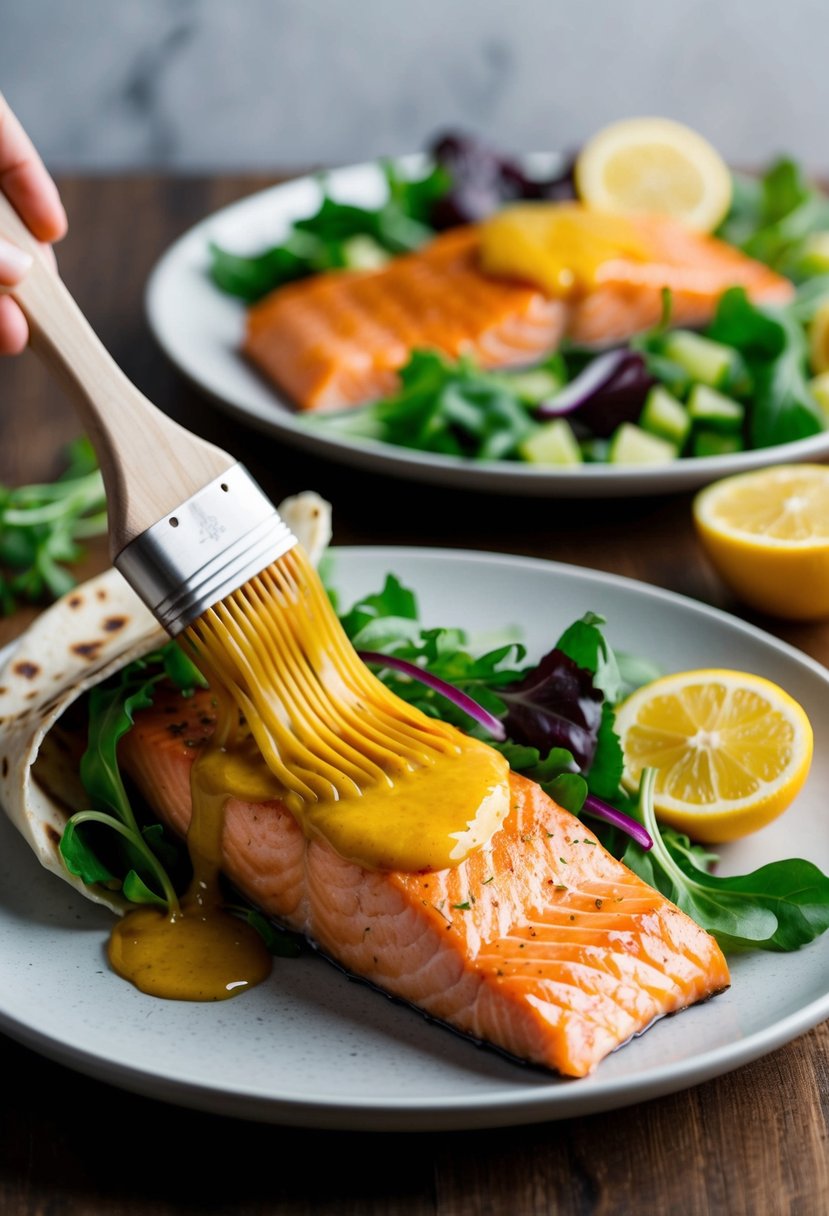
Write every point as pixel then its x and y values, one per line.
pixel 731 750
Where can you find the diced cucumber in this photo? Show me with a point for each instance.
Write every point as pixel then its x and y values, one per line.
pixel 714 410
pixel 705 361
pixel 715 443
pixel 552 443
pixel 629 444
pixel 533 385
pixel 674 377
pixel 820 391
pixel 362 252
pixel 663 415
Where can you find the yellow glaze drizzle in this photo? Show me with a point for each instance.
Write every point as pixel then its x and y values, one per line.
pixel 560 246
pixel 199 951
pixel 386 786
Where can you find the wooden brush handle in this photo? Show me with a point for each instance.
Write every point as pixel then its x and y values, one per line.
pixel 150 464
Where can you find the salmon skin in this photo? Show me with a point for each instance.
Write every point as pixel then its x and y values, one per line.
pixel 540 943
pixel 339 338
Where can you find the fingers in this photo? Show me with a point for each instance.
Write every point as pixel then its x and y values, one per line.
pixel 14 332
pixel 24 179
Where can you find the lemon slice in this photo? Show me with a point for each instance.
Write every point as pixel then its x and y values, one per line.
pixel 766 533
pixel 731 750
pixel 654 164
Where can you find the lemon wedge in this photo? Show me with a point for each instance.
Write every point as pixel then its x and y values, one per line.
pixel 766 533
pixel 731 750
pixel 655 164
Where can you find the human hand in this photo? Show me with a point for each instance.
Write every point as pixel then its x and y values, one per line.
pixel 33 194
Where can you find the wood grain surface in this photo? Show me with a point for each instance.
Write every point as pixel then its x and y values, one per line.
pixel 750 1143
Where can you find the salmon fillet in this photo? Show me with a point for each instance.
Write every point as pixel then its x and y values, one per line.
pixel 338 339
pixel 541 943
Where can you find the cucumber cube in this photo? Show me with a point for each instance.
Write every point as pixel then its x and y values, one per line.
pixel 663 415
pixel 629 444
pixel 533 385
pixel 362 252
pixel 706 361
pixel 715 410
pixel 552 443
pixel 715 443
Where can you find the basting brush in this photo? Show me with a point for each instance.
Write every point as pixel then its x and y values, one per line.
pixel 207 552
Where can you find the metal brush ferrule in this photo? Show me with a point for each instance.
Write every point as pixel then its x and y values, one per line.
pixel 207 548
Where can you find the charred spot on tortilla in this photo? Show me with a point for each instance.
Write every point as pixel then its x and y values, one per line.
pixel 86 650
pixel 52 835
pixel 75 601
pixel 101 593
pixel 27 669
pixel 113 623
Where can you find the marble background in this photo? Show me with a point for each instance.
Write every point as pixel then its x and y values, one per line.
pixel 207 84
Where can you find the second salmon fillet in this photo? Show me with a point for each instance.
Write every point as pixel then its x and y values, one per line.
pixel 540 944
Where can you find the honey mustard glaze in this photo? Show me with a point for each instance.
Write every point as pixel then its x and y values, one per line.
pixel 563 247
pixel 386 786
pixel 200 951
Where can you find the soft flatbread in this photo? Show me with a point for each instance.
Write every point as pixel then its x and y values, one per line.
pixel 73 645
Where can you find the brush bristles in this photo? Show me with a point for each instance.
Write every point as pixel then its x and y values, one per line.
pixel 327 728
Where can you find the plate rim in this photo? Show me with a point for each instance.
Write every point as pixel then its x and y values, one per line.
pixel 508 477
pixel 489 1108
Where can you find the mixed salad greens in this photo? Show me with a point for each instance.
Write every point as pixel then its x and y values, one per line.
pixel 553 720
pixel 41 527
pixel 743 383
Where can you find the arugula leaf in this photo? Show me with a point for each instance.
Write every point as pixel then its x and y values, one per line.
pixel 556 774
pixel 781 906
pixel 337 236
pixel 449 407
pixel 40 526
pixel 112 707
pixel 775 350
pixel 772 219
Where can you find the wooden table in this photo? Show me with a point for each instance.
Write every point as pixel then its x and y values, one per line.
pixel 752 1142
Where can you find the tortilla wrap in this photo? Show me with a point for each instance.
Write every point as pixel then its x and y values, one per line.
pixel 75 644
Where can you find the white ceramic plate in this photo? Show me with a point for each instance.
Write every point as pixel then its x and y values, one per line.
pixel 200 329
pixel 312 1048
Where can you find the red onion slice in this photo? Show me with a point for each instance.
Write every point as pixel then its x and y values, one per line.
pixel 618 819
pixel 464 702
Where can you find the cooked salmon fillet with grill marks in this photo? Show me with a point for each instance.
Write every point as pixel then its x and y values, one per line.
pixel 338 339
pixel 541 943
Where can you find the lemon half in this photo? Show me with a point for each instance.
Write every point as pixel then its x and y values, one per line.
pixel 766 533
pixel 655 164
pixel 731 750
